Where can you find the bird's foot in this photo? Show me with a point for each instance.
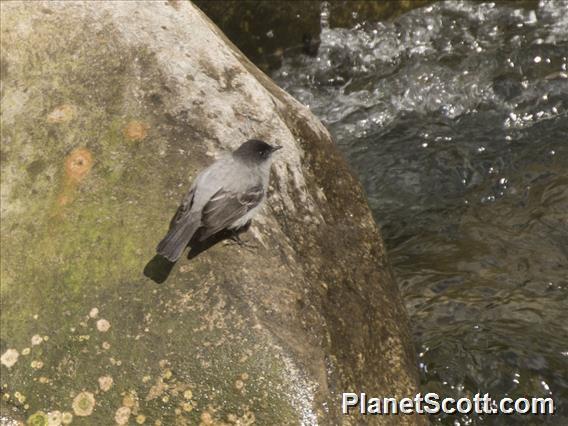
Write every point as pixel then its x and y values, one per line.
pixel 236 239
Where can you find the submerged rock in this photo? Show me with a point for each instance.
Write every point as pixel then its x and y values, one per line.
pixel 108 110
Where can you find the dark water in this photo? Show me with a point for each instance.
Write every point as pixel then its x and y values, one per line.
pixel 455 117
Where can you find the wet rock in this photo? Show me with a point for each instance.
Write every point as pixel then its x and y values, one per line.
pixel 121 105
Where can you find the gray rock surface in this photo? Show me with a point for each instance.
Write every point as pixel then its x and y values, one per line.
pixel 108 110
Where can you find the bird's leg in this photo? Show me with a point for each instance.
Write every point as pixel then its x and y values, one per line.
pixel 236 237
pixel 246 244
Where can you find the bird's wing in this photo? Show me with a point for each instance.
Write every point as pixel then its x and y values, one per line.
pixel 182 227
pixel 184 208
pixel 225 207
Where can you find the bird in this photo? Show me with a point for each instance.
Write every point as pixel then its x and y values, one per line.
pixel 224 196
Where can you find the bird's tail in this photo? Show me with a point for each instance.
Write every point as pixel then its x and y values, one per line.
pixel 177 238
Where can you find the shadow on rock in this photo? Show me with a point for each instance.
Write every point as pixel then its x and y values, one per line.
pixel 198 247
pixel 159 268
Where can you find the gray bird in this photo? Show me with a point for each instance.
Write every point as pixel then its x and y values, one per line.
pixel 226 195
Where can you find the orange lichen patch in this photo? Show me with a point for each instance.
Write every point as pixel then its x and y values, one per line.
pixel 63 200
pixel 135 130
pixel 78 164
pixel 61 114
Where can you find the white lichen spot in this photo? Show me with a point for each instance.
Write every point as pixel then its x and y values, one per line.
pixel 35 364
pixel 83 404
pixel 54 418
pixel 62 114
pixel 157 390
pixel 9 358
pixel 184 269
pixel 36 340
pixel 247 419
pixel 130 399
pixel 66 418
pixel 106 346
pixel 37 418
pixel 122 415
pixel 94 313
pixel 244 376
pixel 103 325
pixel 239 384
pixel 188 394
pixel 206 418
pixel 105 383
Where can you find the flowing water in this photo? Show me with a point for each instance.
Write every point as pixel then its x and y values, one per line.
pixel 455 118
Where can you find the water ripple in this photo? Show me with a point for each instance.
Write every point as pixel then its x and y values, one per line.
pixel 455 117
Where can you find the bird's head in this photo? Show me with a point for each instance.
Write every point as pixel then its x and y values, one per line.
pixel 255 151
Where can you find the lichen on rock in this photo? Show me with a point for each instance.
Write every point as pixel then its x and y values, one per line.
pixel 83 404
pixel 112 108
pixel 10 357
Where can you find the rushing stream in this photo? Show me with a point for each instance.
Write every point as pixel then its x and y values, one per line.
pixel 455 118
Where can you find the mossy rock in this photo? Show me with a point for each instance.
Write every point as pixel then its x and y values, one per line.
pixel 108 110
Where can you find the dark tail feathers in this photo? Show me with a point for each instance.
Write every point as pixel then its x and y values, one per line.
pixel 177 238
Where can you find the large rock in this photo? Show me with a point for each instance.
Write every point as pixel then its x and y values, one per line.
pixel 108 110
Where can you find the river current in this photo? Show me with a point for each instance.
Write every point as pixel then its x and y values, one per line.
pixel 455 118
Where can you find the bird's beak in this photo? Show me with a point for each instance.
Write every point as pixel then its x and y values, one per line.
pixel 276 148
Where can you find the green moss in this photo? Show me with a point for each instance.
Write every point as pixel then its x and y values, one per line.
pixel 74 242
